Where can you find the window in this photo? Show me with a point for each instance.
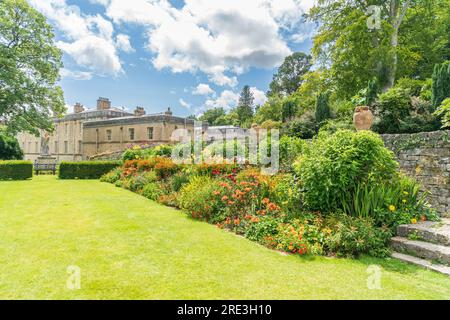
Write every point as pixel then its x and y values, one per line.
pixel 131 132
pixel 80 146
pixel 150 133
pixel 66 129
pixel 108 135
pixel 36 147
pixel 66 147
pixel 56 147
pixel 29 147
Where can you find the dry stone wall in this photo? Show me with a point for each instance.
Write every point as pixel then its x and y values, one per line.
pixel 425 156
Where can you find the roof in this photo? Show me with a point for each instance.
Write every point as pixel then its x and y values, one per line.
pixel 130 120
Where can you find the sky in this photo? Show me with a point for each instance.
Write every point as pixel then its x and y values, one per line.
pixel 190 55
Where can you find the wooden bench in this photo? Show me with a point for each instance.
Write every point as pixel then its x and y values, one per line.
pixel 45 165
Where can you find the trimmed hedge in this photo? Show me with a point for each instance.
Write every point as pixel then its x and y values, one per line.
pixel 16 170
pixel 86 169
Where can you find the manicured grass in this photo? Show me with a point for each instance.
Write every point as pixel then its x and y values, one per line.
pixel 131 248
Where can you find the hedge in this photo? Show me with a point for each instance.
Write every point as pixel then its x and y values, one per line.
pixel 16 170
pixel 86 169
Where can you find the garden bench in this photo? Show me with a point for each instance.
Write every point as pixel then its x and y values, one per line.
pixel 45 165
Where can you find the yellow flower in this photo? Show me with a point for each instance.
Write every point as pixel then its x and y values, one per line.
pixel 405 193
pixel 413 220
pixel 404 201
pixel 392 208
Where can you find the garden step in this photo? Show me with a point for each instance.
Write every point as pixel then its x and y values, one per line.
pixel 420 249
pixel 422 263
pixel 429 231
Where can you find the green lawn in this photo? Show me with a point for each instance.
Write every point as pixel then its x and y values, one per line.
pixel 128 247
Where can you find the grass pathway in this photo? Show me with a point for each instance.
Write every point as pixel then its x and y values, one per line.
pixel 128 247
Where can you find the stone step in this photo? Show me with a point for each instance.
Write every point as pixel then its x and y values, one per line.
pixel 429 231
pixel 422 263
pixel 420 249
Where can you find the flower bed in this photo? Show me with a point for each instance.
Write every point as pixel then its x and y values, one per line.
pixel 345 197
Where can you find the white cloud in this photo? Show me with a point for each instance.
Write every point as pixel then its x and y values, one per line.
pixel 77 75
pixel 123 43
pixel 227 100
pixel 94 53
pixel 203 90
pixel 260 96
pixel 88 38
pixel 184 104
pixel 221 38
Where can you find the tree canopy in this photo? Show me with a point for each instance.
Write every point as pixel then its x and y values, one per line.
pixel 29 69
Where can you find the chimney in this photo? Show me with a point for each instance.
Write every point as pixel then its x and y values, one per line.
pixel 78 108
pixel 139 112
pixel 103 104
pixel 168 112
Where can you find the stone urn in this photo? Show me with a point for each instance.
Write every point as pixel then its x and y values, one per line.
pixel 363 118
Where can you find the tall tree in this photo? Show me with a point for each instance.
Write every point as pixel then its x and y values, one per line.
pixel 213 115
pixel 29 69
pixel 288 110
pixel 323 111
pixel 290 74
pixel 409 39
pixel 244 109
pixel 441 83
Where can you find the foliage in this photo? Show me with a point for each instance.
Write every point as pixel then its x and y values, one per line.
pixel 288 110
pixel 290 149
pixel 9 147
pixel 333 125
pixel 399 112
pixel 323 111
pixel 290 74
pixel 30 63
pixel 444 112
pixel 336 165
pixel 16 170
pixel 244 109
pixel 441 83
pixel 144 152
pixel 113 176
pixel 152 191
pixel 215 117
pixel 353 236
pixel 86 169
pixel 304 128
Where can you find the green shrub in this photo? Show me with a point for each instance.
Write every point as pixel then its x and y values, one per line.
pixel 443 112
pixel 16 170
pixel 113 176
pixel 178 180
pixel 266 226
pixel 139 181
pixel 351 237
pixel 199 198
pixel 86 169
pixel 337 165
pixel 153 191
pixel 287 195
pixel 290 149
pixel 9 147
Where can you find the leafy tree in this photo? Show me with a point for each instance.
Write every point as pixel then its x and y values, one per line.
pixel 323 111
pixel 288 110
pixel 9 147
pixel 271 110
pixel 213 115
pixel 244 109
pixel 410 39
pixel 441 83
pixel 29 69
pixel 290 74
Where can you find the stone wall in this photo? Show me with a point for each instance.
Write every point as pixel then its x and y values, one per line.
pixel 426 156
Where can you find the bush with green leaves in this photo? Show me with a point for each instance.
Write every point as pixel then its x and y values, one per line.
pixel 267 226
pixel 153 191
pixel 86 169
pixel 304 128
pixel 16 170
pixel 353 236
pixel 113 176
pixel 443 112
pixel 290 149
pixel 337 165
pixel 9 146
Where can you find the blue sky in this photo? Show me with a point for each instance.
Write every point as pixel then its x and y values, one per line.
pixel 190 55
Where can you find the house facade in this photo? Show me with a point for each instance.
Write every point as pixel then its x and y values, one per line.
pixel 86 133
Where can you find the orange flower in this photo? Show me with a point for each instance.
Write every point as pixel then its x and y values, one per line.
pixel 265 201
pixel 237 221
pixel 224 198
